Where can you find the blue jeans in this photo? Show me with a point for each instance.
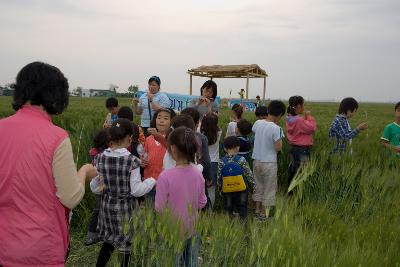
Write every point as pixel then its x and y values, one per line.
pixel 298 155
pixel 236 201
pixel 189 256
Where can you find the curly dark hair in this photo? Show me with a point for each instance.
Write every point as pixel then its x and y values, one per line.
pixel 39 83
pixel 209 127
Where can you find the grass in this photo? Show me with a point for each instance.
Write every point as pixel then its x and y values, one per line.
pixel 345 212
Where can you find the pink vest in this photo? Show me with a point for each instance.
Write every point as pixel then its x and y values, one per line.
pixel 33 222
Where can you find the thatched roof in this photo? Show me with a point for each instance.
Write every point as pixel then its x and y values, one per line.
pixel 229 71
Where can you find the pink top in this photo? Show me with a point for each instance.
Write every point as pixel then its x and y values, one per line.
pixel 300 130
pixel 33 222
pixel 182 190
pixel 155 153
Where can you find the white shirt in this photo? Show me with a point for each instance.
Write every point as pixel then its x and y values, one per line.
pixel 231 129
pixel 266 133
pixel 138 187
pixel 169 163
pixel 213 149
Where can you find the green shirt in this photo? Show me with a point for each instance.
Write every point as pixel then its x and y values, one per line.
pixel 391 133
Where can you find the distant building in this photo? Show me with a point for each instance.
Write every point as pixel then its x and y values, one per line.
pixel 6 91
pixel 97 92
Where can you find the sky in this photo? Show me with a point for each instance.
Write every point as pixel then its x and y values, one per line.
pixel 320 49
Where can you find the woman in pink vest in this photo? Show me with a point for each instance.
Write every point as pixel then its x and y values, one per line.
pixel 39 183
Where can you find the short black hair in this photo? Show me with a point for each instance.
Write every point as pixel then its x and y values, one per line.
pixel 293 102
pixel 231 142
pixel 183 120
pixel 155 79
pixel 192 112
pixel 111 102
pixel 168 110
pixel 120 129
pixel 125 113
pixel 245 127
pixel 185 141
pixel 101 140
pixel 397 106
pixel 348 104
pixel 276 108
pixel 41 84
pixel 261 111
pixel 210 84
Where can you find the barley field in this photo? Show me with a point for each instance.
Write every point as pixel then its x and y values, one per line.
pixel 345 212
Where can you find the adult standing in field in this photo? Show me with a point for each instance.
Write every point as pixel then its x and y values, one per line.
pixel 39 183
pixel 206 103
pixel 150 102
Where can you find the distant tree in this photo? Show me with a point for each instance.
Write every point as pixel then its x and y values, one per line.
pixel 133 89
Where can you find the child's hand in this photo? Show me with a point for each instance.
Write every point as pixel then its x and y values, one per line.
pixel 152 131
pixel 307 114
pixel 143 162
pixel 363 126
pixel 106 125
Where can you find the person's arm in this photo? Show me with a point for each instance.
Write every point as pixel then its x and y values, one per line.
pixel 277 138
pixel 385 140
pixel 161 193
pixel 97 185
pixel 308 125
pixel 139 187
pixel 344 131
pixel 202 201
pixel 163 102
pixel 70 184
pixel 136 105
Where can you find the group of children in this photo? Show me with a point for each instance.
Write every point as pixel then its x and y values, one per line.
pixel 178 165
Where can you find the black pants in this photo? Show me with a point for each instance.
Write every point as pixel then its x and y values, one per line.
pixel 236 201
pixel 298 154
pixel 105 254
pixel 95 215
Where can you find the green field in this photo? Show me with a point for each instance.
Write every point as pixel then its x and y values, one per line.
pixel 345 212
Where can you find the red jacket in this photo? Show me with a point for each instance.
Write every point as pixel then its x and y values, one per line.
pixel 300 130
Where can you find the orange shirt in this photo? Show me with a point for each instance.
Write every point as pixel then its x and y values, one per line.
pixel 155 155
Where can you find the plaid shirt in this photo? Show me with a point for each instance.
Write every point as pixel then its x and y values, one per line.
pixel 341 133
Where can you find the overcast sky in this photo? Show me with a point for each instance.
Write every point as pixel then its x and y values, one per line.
pixel 321 49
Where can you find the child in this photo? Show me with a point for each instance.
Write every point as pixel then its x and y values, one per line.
pixel 299 133
pixel 236 115
pixel 112 107
pixel 391 133
pixel 267 143
pixel 261 113
pixel 138 138
pixel 340 130
pixel 154 150
pixel 100 142
pixel 243 130
pixel 181 189
pixel 209 127
pixel 120 170
pixel 234 165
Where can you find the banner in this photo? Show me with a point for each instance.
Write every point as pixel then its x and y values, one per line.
pixel 248 105
pixel 179 101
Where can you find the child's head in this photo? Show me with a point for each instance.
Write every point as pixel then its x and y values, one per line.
pixel 258 97
pixel 101 140
pixel 237 111
pixel 296 105
pixel 232 145
pixel 112 105
pixel 120 132
pixel 182 144
pixel 276 108
pixel 397 110
pixel 162 120
pixel 192 112
pixel 154 84
pixel 261 112
pixel 244 127
pixel 183 120
pixel 125 113
pixel 209 127
pixel 209 90
pixel 348 107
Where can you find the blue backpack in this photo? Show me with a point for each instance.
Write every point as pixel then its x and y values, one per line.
pixel 232 176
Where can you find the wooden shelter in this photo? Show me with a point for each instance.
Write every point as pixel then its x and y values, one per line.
pixel 230 71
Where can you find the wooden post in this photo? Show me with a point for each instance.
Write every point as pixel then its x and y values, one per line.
pixel 247 87
pixel 191 84
pixel 265 86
